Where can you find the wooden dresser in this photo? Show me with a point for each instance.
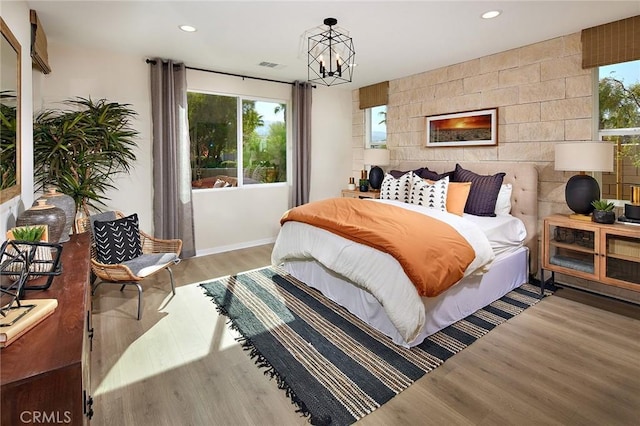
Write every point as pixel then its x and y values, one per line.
pixel 45 373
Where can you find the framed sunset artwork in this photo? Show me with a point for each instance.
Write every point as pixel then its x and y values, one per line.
pixel 472 128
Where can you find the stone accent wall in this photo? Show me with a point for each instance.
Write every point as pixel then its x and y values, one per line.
pixel 542 94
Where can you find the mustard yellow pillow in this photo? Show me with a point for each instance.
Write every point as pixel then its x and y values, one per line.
pixel 457 194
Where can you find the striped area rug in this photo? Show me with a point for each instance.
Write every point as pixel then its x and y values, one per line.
pixel 333 366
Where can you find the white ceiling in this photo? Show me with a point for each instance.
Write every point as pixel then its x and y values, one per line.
pixel 392 39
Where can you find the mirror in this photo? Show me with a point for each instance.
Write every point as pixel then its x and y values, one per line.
pixel 10 54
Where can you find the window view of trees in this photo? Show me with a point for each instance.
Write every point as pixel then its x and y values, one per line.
pixel 376 122
pixel 619 122
pixel 264 157
pixel 220 136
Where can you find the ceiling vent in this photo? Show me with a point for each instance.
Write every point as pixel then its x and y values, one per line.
pixel 270 65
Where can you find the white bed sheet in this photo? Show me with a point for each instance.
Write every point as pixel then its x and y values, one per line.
pixel 504 232
pixel 508 271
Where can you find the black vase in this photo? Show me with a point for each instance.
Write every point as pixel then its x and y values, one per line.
pixel 601 216
pixel 580 191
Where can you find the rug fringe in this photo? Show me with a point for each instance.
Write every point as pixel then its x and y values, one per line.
pixel 269 370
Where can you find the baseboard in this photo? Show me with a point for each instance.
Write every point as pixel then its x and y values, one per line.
pixel 231 247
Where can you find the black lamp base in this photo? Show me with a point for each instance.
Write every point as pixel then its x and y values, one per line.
pixel 580 191
pixel 376 176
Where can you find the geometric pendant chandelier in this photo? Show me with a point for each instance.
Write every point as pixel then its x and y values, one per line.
pixel 331 56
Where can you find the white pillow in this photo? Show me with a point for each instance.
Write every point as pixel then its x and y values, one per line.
pixel 397 189
pixel 432 195
pixel 219 183
pixel 503 203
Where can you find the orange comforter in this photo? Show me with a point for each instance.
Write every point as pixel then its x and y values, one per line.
pixel 432 253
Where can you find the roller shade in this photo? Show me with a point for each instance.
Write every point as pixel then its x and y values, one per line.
pixel 39 45
pixel 611 43
pixel 374 95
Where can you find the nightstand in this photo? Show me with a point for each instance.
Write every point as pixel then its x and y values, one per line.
pixel 348 193
pixel 608 254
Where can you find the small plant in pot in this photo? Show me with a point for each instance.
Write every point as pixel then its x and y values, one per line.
pixel 32 234
pixel 603 212
pixel 42 257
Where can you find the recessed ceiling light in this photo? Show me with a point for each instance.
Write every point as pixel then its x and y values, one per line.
pixel 187 28
pixel 491 14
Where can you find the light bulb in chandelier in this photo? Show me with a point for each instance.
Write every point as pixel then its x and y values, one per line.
pixel 329 52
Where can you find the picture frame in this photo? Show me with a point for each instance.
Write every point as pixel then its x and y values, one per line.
pixel 470 128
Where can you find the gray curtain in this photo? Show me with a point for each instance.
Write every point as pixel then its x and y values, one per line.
pixel 172 207
pixel 301 108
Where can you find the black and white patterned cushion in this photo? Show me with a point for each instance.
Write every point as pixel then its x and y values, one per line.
pixel 117 240
pixel 432 195
pixel 397 189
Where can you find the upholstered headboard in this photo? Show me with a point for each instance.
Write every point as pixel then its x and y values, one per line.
pixel 524 196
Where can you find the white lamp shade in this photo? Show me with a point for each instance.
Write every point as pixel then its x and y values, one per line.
pixel 376 157
pixel 584 157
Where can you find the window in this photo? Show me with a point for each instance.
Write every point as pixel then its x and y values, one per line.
pixel 376 126
pixel 619 122
pixel 227 129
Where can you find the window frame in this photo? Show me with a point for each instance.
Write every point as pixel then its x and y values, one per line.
pixel 607 133
pixel 239 139
pixel 368 126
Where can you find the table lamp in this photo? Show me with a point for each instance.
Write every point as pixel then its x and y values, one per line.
pixel 583 157
pixel 376 157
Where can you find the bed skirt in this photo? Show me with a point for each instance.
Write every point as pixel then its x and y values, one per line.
pixel 508 271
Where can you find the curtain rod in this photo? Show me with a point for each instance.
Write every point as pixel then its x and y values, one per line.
pixel 152 61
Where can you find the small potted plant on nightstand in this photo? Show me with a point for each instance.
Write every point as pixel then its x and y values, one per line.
pixel 603 212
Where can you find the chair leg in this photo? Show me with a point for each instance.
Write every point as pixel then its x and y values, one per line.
pixel 173 287
pixel 139 287
pixel 95 287
pixel 139 300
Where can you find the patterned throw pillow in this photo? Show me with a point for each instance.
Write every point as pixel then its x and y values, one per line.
pixel 397 189
pixel 432 195
pixel 117 240
pixel 484 191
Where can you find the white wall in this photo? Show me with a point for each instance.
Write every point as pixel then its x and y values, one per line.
pixel 224 219
pixel 118 78
pixel 16 16
pixel 331 149
pixel 233 218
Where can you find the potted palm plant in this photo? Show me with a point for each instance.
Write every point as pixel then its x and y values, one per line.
pixel 603 212
pixel 79 150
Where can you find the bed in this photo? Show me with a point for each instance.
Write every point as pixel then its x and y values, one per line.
pixel 509 267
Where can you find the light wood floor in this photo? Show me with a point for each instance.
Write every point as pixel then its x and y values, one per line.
pixel 573 359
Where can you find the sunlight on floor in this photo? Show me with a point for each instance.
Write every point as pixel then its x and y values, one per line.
pixel 192 329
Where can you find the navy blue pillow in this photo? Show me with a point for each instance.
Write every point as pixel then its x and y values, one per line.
pixel 431 175
pixel 397 173
pixel 484 191
pixel 117 240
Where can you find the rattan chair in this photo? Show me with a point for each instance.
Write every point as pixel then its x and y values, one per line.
pixel 158 255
